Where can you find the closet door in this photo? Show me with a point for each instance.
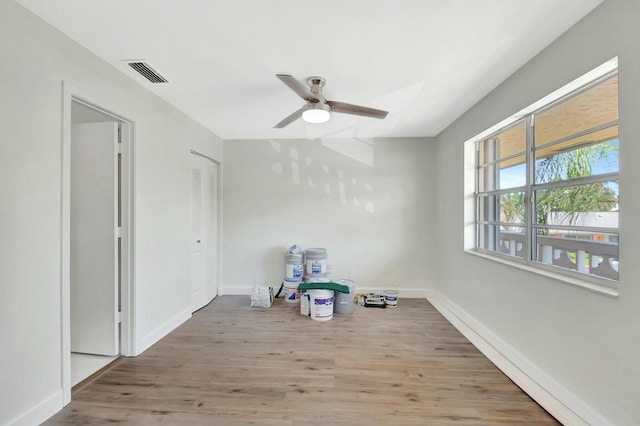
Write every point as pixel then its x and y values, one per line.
pixel 204 231
pixel 198 238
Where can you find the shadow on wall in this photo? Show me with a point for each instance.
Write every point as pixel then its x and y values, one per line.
pixel 332 181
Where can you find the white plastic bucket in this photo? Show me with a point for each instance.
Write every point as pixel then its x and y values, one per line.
pixel 316 262
pixel 293 266
pixel 343 304
pixel 291 292
pixel 317 280
pixel 321 304
pixel 391 297
pixel 304 303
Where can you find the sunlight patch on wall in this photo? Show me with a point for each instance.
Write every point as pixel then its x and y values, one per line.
pixel 360 150
pixel 275 145
pixel 342 189
pixel 295 166
pixel 321 177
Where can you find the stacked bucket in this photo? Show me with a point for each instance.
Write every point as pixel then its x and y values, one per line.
pixel 293 274
pixel 319 304
pixel 310 267
pixel 316 303
pixel 315 265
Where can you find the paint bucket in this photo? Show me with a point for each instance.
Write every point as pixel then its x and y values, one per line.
pixel 343 305
pixel 391 297
pixel 293 266
pixel 321 304
pixel 316 262
pixel 304 303
pixel 317 280
pixel 291 292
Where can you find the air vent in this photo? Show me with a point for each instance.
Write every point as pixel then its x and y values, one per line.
pixel 147 72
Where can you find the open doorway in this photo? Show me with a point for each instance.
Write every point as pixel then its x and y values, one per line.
pixel 97 240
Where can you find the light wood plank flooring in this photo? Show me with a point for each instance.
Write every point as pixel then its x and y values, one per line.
pixel 235 365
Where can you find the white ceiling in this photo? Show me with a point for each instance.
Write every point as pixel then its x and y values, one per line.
pixel 425 61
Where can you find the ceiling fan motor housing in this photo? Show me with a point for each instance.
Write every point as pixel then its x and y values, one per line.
pixel 315 84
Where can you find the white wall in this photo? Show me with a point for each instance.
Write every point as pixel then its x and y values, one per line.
pixel 581 345
pixel 34 59
pixel 368 202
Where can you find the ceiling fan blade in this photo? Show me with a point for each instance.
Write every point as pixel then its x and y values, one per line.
pixel 302 90
pixel 356 110
pixel 290 119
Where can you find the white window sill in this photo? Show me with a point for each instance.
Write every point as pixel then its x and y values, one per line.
pixel 588 285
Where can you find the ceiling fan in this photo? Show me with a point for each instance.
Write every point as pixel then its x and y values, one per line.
pixel 318 109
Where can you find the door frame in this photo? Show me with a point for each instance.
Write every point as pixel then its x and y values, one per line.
pixel 219 219
pixel 71 94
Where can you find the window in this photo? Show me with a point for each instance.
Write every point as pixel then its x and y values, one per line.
pixel 546 185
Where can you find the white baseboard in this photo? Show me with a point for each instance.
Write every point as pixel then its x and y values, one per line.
pixel 238 291
pixel 403 292
pixel 147 341
pixel 409 293
pixel 565 406
pixel 40 412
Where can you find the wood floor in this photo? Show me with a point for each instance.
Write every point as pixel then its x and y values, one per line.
pixel 235 365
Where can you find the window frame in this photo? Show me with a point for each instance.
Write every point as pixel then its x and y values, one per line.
pixel 530 256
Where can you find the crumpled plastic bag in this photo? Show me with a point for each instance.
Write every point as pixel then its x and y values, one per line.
pixel 262 296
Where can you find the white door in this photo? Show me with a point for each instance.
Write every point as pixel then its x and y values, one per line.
pixel 198 246
pixel 94 238
pixel 204 231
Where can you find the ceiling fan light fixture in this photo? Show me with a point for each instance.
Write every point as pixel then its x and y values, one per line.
pixel 316 113
pixel 317 108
